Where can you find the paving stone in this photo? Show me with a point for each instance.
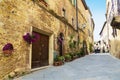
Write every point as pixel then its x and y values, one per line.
pixel 91 67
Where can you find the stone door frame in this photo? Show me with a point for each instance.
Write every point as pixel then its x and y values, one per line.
pixel 51 47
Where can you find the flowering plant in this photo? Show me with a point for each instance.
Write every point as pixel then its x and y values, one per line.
pixel 60 38
pixel 31 37
pixel 7 49
pixel 8 46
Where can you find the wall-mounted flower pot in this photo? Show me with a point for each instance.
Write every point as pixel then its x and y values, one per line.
pixel 29 38
pixel 7 52
pixel 8 49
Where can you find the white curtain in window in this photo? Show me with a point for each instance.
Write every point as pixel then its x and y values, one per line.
pixel 118 3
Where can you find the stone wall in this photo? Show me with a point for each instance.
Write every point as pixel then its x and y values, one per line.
pixel 114 45
pixel 14 24
pixel 115 48
pixel 17 17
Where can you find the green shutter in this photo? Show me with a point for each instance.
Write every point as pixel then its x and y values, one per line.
pixel 74 3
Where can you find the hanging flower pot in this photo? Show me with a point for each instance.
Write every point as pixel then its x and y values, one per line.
pixel 8 49
pixel 29 38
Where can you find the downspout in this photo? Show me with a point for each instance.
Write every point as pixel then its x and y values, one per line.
pixel 78 40
pixel 77 15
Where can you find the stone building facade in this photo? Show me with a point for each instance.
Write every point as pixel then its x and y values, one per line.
pixel 51 20
pixel 104 38
pixel 113 22
pixel 90 30
pixel 86 26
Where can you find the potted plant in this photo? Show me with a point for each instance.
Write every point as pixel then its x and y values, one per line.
pixel 71 54
pixel 75 56
pixel 82 52
pixel 8 49
pixel 29 38
pixel 59 60
pixel 78 54
pixel 67 57
pixel 56 63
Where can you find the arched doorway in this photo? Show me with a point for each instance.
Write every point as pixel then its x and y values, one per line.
pixel 60 42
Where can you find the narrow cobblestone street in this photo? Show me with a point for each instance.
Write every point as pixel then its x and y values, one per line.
pixel 91 67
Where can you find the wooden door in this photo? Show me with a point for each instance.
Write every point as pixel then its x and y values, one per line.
pixel 40 51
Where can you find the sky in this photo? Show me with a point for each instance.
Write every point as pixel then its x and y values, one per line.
pixel 98 10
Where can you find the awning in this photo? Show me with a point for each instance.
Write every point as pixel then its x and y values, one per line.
pixel 116 22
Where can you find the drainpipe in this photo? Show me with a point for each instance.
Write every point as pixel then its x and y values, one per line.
pixel 77 15
pixel 77 21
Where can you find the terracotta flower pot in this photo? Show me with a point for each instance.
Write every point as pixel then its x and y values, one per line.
pixel 58 63
pixel 7 52
pixel 67 60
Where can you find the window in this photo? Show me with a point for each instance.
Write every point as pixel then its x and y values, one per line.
pixel 118 3
pixel 74 3
pixel 114 32
pixel 113 5
pixel 64 12
pixel 72 22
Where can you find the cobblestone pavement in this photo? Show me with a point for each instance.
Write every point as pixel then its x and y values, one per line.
pixel 91 67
